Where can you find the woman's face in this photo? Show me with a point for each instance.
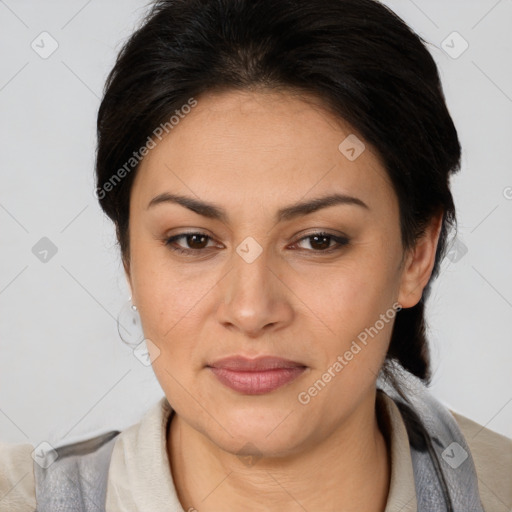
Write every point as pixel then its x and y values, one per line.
pixel 255 281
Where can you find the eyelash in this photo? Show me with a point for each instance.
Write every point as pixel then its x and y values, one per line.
pixel 340 240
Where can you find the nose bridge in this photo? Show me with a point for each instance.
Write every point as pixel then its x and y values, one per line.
pixel 249 279
pixel 252 298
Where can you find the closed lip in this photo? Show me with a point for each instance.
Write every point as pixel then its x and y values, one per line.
pixel 261 363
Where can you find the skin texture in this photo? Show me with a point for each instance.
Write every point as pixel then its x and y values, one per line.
pixel 252 153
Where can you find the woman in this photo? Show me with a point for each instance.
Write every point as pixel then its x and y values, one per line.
pixel 278 175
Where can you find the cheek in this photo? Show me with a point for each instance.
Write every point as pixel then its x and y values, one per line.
pixel 350 316
pixel 173 319
pixel 350 336
pixel 172 304
pixel 165 289
pixel 350 295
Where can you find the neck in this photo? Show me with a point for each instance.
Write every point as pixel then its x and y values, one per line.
pixel 349 471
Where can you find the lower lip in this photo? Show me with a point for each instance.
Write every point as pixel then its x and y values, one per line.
pixel 257 382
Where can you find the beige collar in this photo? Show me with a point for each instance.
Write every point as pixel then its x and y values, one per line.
pixel 402 491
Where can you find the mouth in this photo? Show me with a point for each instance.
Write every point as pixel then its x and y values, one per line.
pixel 255 376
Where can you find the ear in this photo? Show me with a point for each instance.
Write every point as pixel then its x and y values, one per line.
pixel 126 266
pixel 419 263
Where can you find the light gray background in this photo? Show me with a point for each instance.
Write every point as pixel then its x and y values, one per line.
pixel 64 373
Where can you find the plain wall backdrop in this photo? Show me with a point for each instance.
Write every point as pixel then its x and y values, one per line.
pixel 64 373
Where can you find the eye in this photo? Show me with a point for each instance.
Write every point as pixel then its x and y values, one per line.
pixel 321 241
pixel 195 240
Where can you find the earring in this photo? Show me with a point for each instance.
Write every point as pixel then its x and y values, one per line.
pixel 129 325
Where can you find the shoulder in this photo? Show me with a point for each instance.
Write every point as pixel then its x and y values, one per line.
pixel 28 472
pixel 17 487
pixel 492 455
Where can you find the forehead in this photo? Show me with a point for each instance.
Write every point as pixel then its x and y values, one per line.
pixel 260 146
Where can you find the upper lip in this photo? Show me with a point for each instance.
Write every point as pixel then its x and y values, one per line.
pixel 260 363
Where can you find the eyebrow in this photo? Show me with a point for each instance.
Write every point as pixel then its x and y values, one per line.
pixel 213 211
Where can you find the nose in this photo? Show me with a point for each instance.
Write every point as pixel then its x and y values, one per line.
pixel 254 299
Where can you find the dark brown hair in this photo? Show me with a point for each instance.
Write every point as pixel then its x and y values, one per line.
pixel 358 57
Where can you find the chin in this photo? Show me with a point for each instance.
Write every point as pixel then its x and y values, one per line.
pixel 259 431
